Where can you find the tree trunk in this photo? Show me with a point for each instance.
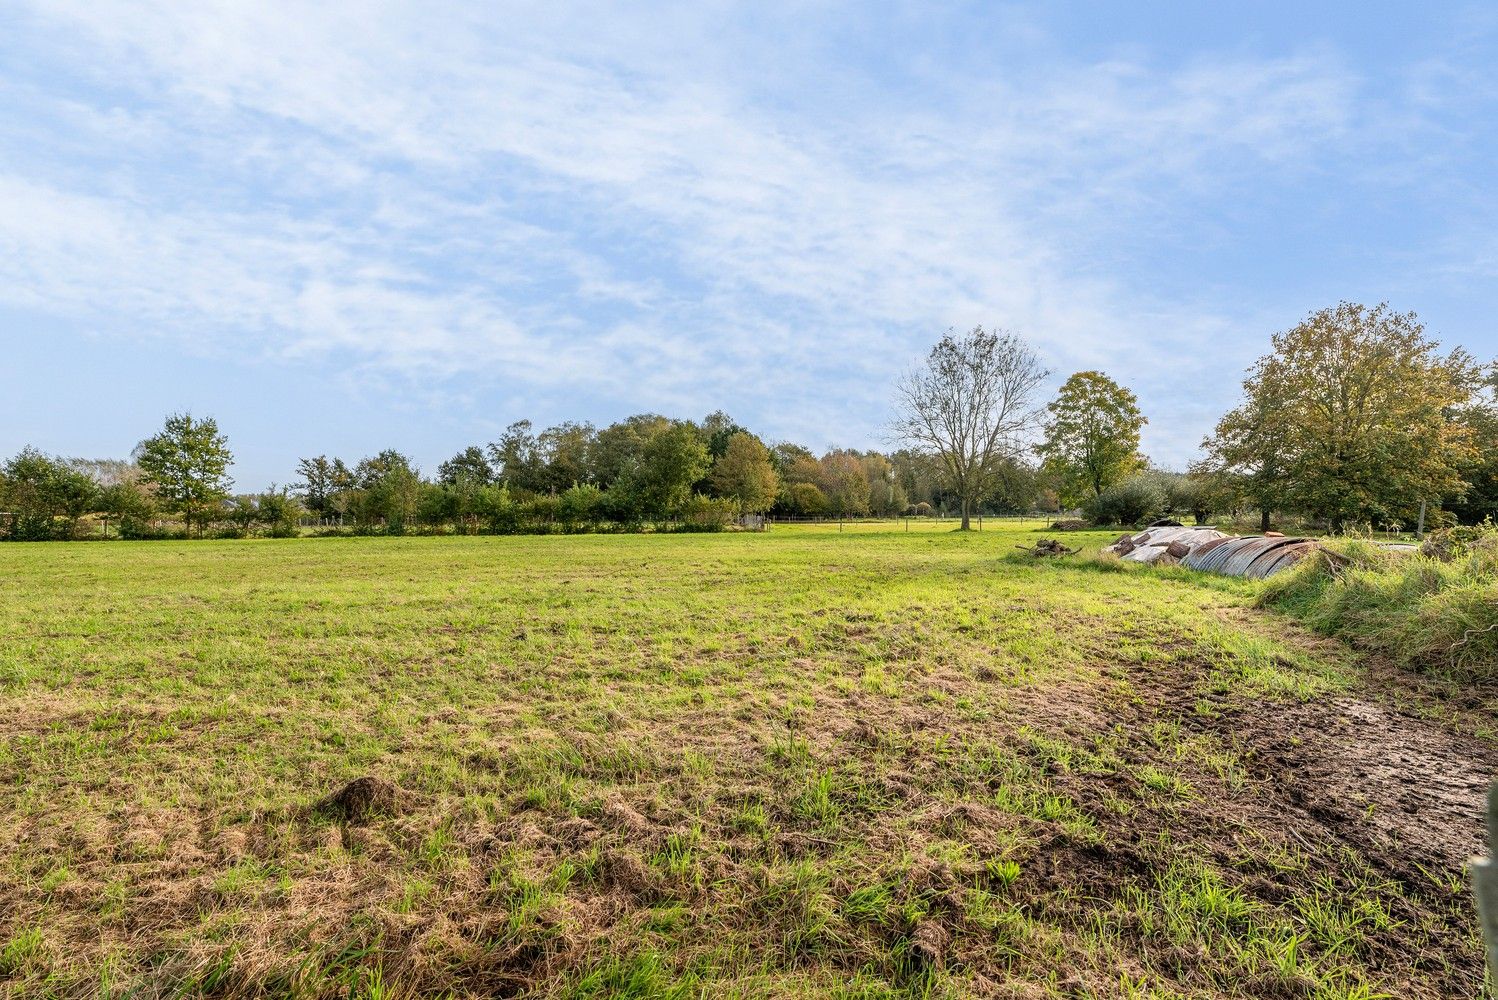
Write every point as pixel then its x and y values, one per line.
pixel 966 520
pixel 1263 520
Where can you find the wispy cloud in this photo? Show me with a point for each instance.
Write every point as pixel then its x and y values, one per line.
pixel 542 200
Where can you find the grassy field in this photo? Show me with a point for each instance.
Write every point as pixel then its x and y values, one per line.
pixel 863 763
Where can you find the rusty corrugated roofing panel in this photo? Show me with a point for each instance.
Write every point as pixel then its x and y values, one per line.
pixel 1270 560
pixel 1208 546
pixel 1211 557
pixel 1245 552
pixel 1282 558
pixel 1253 557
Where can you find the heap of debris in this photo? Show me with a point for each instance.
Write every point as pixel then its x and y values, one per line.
pixel 1046 548
pixel 1165 545
pixel 1252 556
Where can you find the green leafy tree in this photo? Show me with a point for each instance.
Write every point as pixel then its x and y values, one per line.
pixel 1134 501
pixel 1480 499
pixel 803 500
pixel 187 463
pixel 744 474
pixel 886 496
pixel 390 489
pixel 130 503
pixel 1252 449
pixel 660 481
pixel 1364 412
pixel 324 486
pixel 497 508
pixel 616 449
pixel 565 456
pixel 784 454
pixel 279 510
pixel 1091 437
pixel 719 429
pixel 800 468
pixel 74 492
pixel 516 457
pixel 844 484
pixel 468 467
pixel 1195 493
pixel 580 504
pixel 1015 487
pixel 919 474
pixel 456 496
pixel 971 403
pixel 33 494
pixel 243 512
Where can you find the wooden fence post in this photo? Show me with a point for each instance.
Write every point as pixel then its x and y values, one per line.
pixel 1485 884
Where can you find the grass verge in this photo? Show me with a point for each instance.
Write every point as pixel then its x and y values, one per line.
pixel 1417 610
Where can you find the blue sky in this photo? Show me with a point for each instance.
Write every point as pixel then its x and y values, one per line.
pixel 340 228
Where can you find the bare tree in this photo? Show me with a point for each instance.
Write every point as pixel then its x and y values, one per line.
pixel 972 403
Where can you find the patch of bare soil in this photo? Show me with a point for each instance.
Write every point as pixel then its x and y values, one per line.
pixel 1389 780
pixel 1366 785
pixel 1373 765
pixel 362 800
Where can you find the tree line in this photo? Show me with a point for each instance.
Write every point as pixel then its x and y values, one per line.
pixel 1354 417
pixel 646 471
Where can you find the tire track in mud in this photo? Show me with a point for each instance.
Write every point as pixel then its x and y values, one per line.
pixel 1359 784
pixel 1360 765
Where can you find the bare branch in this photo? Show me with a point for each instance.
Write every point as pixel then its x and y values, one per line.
pixel 972 403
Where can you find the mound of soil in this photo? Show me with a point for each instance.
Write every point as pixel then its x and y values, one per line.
pixel 929 943
pixel 1070 524
pixel 362 799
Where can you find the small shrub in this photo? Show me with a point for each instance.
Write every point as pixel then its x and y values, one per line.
pixel 706 514
pixel 1455 542
pixel 1133 501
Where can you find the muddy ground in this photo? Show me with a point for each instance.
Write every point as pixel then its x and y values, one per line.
pixel 1387 780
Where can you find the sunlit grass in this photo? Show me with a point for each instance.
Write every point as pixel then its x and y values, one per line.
pixel 728 765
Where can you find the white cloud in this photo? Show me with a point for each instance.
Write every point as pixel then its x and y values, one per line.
pixel 570 202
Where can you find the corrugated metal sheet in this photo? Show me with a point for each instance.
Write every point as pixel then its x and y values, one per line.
pixel 1244 552
pixel 1253 557
pixel 1150 545
pixel 1211 556
pixel 1282 558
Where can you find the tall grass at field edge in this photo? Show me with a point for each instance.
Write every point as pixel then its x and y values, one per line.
pixel 1419 611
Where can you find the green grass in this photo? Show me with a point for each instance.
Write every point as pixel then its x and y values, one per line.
pixel 1419 611
pixel 659 766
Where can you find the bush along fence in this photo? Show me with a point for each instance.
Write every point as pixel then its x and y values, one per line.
pixel 544 515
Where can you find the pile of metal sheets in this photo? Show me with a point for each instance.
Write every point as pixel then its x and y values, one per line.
pixel 1207 549
pixel 1166 544
pixel 1254 556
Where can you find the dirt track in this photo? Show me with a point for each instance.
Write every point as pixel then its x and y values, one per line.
pixel 1383 778
pixel 1370 774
